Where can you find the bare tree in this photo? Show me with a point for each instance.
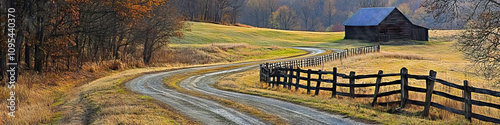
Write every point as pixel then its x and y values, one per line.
pixel 481 41
pixel 372 3
pixel 284 18
pixel 329 11
pixel 306 12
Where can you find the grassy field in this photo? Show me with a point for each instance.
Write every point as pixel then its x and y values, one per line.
pixel 205 33
pixel 439 54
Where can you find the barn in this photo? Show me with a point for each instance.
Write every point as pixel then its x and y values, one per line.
pixel 383 24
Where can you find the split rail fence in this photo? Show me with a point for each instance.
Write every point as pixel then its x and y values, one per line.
pixel 288 75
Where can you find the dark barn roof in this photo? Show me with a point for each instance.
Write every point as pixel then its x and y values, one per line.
pixel 369 16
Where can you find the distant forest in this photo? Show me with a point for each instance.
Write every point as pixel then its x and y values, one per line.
pixel 307 15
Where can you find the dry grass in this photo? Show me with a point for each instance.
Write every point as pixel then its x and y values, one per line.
pixel 419 59
pixel 445 35
pixel 220 52
pixel 38 94
pixel 105 101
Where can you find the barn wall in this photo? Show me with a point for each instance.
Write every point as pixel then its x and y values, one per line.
pixel 361 32
pixel 420 33
pixel 396 26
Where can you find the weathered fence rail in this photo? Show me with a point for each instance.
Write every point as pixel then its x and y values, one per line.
pixel 291 77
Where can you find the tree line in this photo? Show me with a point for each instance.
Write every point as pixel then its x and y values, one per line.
pixel 57 35
pixel 307 15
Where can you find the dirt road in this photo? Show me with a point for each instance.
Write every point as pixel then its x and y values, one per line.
pixel 210 112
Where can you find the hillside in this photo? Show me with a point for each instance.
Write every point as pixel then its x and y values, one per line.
pixel 204 33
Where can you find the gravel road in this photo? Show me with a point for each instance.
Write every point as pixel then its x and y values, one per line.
pixel 212 113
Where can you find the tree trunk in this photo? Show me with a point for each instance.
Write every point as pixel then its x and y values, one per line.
pixel 39 55
pixel 27 56
pixel 146 53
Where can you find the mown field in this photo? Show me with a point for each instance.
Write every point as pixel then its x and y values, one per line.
pixel 439 55
pixel 207 33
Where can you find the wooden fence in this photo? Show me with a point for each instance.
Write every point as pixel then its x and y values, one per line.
pixel 290 77
pixel 314 61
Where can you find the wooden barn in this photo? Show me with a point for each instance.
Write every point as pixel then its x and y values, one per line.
pixel 383 24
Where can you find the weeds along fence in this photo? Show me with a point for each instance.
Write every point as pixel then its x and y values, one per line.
pixel 290 77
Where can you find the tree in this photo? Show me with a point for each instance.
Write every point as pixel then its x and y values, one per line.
pixel 284 18
pixel 372 3
pixel 259 12
pixel 419 16
pixel 157 28
pixel 307 14
pixel 329 11
pixel 480 43
pixel 405 9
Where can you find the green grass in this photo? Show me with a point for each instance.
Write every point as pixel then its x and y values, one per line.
pixel 204 33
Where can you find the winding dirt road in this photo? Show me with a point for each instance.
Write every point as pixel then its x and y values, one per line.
pixel 210 112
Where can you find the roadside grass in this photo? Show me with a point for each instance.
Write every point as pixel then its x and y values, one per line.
pixel 221 52
pixel 441 57
pixel 105 101
pixel 37 94
pixel 174 80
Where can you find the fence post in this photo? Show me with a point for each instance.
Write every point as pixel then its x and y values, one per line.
pixel 260 72
pixel 404 86
pixel 428 96
pixel 334 81
pixel 268 74
pixel 351 83
pixel 290 78
pixel 467 101
pixel 318 84
pixel 297 81
pixel 308 81
pixel 377 86
pixel 278 74
pixel 274 78
pixel 285 78
pixel 346 52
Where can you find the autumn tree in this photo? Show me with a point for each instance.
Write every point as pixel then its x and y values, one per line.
pixel 156 29
pixel 64 34
pixel 284 18
pixel 480 42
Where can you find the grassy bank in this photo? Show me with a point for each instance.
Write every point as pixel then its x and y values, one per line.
pixel 204 33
